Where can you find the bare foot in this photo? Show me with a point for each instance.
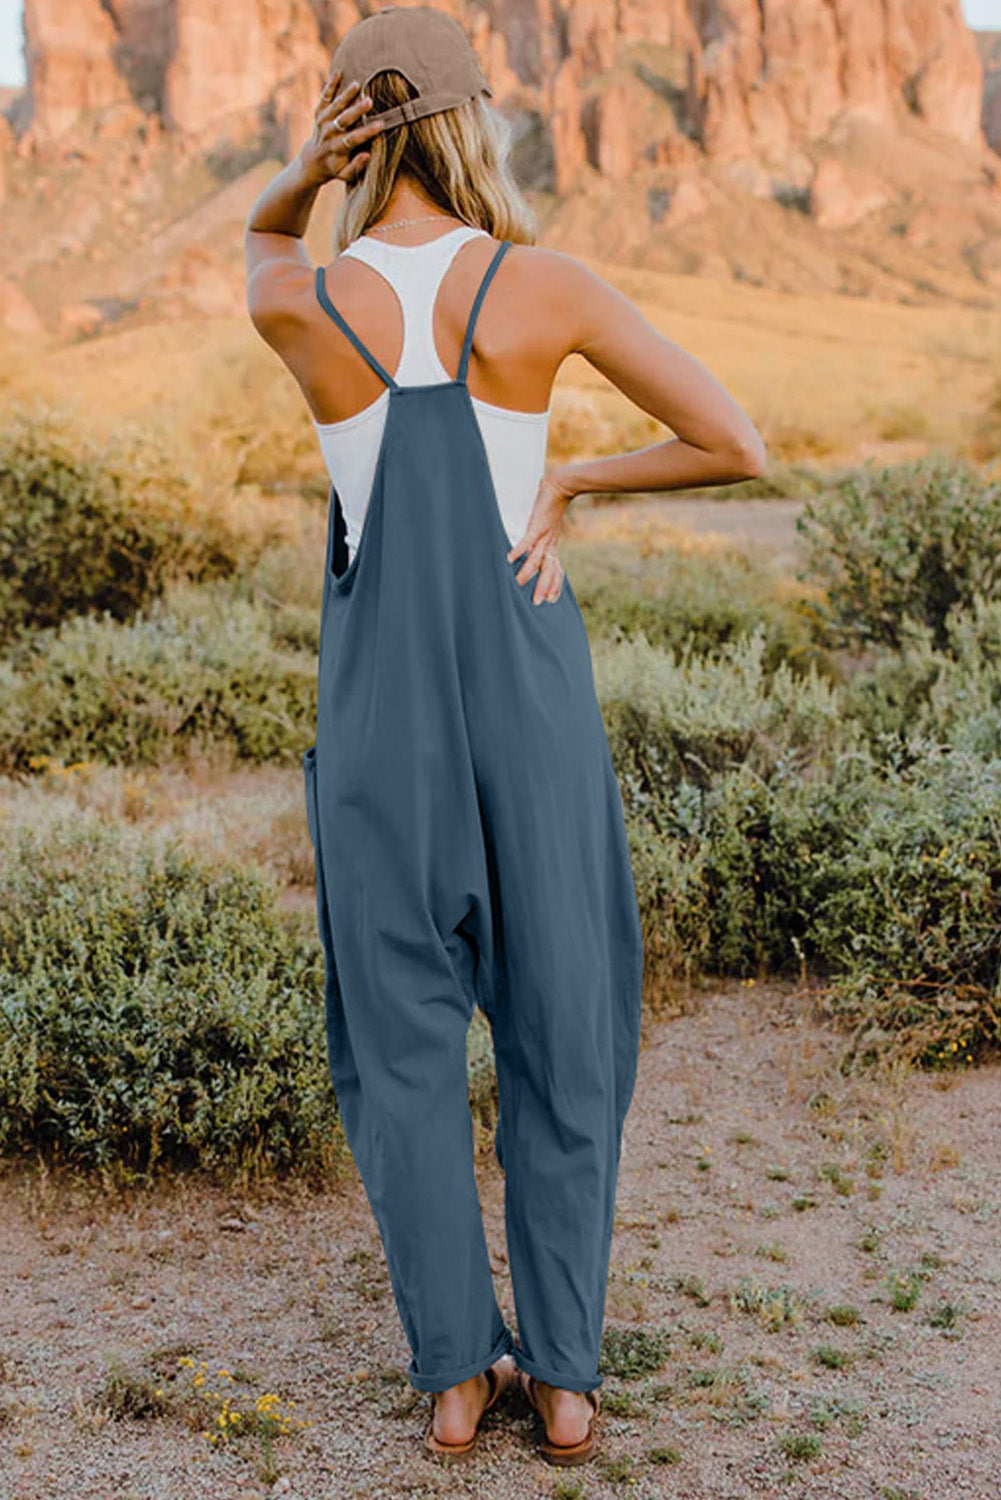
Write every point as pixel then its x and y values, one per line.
pixel 565 1413
pixel 458 1409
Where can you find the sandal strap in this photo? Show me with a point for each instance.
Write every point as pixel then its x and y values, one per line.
pixel 593 1397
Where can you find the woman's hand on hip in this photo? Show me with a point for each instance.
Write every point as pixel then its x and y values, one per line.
pixel 540 538
pixel 327 155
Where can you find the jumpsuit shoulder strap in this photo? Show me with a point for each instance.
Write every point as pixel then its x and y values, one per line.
pixel 467 342
pixel 345 327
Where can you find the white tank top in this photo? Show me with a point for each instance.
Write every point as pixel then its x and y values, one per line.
pixel 515 441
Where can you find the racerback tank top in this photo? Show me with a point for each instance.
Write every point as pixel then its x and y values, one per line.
pixel 515 441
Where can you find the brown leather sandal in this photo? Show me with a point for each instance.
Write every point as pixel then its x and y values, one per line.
pixel 564 1453
pixel 436 1448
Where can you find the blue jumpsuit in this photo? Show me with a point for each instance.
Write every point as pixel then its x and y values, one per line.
pixel 470 849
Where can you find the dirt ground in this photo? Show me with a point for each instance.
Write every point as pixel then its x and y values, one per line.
pixel 759 1190
pixel 764 527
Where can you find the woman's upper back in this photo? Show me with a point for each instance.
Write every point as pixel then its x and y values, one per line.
pixel 514 437
pixel 410 304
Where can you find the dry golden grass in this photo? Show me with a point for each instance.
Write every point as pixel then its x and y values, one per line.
pixel 829 376
pixel 826 378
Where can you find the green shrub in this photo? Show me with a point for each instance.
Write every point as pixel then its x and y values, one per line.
pixel 90 528
pixel 690 718
pixel 777 824
pixel 903 543
pixel 155 1011
pixel 200 670
pixel 630 1353
pixel 288 582
pixel 951 695
pixel 906 914
pixel 883 879
pixel 691 600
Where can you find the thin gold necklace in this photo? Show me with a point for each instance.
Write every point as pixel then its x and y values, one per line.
pixel 397 223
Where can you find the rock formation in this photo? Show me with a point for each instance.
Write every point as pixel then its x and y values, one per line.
pixel 765 75
pixel 673 133
pixel 613 85
pixel 69 55
pixel 232 59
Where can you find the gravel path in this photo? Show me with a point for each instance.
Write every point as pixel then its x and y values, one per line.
pixel 759 1190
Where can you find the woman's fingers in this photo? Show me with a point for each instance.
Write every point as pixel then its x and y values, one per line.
pixel 334 77
pixel 339 143
pixel 339 112
pixel 334 99
pixel 340 131
pixel 350 114
pixel 533 561
pixel 541 558
pixel 547 590
pixel 355 167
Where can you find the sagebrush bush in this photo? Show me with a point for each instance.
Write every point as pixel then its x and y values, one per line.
pixel 884 879
pixel 674 717
pixel 161 1012
pixel 902 895
pixel 904 543
pixel 698 601
pixel 199 671
pixel 89 527
pixel 951 695
pixel 155 1011
pixel 778 824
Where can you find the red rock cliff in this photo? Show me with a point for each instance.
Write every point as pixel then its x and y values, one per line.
pixel 612 82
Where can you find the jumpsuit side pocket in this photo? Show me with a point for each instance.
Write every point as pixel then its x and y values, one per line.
pixel 340 1057
pixel 313 822
pixel 309 778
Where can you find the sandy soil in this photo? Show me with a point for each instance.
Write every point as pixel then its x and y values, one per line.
pixel 759 1189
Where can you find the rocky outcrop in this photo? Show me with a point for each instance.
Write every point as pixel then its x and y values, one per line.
pixel 231 59
pixel 70 60
pixel 614 86
pixel 765 75
pixel 840 198
pixel 595 86
pixel 17 313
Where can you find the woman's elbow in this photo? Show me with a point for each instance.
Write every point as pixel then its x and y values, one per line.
pixel 748 456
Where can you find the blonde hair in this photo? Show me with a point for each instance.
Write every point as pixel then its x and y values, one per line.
pixel 459 157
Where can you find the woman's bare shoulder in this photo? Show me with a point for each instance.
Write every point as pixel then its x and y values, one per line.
pixel 558 267
pixel 568 293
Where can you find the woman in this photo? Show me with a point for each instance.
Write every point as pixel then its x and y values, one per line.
pixel 470 844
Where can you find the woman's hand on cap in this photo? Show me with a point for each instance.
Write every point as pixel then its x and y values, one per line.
pixel 332 151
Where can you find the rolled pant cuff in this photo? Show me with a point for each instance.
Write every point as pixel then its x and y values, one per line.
pixel 561 1378
pixel 504 1345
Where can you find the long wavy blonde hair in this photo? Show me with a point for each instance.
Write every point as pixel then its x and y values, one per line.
pixel 459 157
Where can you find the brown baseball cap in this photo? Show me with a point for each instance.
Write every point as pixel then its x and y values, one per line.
pixel 427 46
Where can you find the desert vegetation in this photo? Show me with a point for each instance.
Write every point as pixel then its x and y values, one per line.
pixel 810 769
